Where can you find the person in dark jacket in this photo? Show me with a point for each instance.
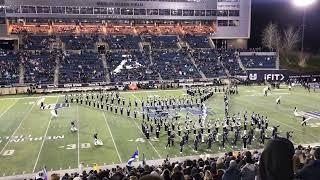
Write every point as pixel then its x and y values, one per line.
pixel 232 173
pixel 311 171
pixel 276 160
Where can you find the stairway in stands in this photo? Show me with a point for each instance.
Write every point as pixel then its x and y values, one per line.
pixel 241 64
pixel 56 70
pixel 105 65
pixel 21 73
pixel 225 69
pixel 203 76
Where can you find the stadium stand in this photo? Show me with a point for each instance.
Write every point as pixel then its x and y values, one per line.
pixel 9 67
pixel 79 42
pixel 83 67
pixel 259 61
pixel 229 59
pixel 123 42
pixel 130 58
pixel 39 67
pixel 130 66
pixel 207 61
pixel 174 64
pixel 162 42
pixel 197 41
pixel 37 42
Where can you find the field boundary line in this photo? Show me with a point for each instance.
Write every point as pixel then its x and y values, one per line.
pixel 142 132
pixel 2 99
pixel 4 112
pixel 44 137
pixel 14 132
pixel 114 143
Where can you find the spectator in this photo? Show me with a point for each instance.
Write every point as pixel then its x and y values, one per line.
pixel 249 170
pixel 311 171
pixel 208 175
pixel 54 177
pixel 232 173
pixel 166 175
pixel 276 161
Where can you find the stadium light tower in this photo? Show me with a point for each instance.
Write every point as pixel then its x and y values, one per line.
pixel 303 4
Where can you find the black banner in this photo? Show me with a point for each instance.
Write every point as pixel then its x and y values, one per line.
pixel 280 76
pixel 268 75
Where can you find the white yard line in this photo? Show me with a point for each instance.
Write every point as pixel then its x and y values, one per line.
pixel 44 137
pixel 78 134
pixel 25 117
pixel 105 119
pixel 142 131
pixel 8 109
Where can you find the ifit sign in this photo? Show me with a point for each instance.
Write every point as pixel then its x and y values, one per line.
pixel 265 75
pixel 274 77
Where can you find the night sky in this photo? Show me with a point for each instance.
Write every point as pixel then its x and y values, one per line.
pixel 284 13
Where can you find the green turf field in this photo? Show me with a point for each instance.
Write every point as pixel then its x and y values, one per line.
pixel 23 126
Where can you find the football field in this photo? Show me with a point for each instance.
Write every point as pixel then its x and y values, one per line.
pixel 31 138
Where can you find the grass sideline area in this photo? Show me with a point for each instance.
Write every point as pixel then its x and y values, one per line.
pixel 21 118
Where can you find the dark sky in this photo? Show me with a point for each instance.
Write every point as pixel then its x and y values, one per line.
pixel 284 13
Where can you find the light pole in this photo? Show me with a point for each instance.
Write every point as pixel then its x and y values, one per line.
pixel 303 4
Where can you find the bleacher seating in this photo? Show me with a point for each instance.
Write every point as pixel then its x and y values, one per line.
pixel 259 61
pixel 123 42
pixel 197 41
pixel 130 66
pixel 162 42
pixel 36 42
pixel 230 62
pixel 79 42
pixel 207 62
pixel 161 57
pixel 9 67
pixel 39 67
pixel 84 67
pixel 172 64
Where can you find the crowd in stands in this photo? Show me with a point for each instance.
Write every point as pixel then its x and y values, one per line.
pixel 207 61
pixel 81 68
pixel 79 42
pixel 123 41
pixel 9 67
pixel 229 59
pixel 38 42
pixel 39 67
pixel 197 41
pixel 278 161
pixel 162 42
pixel 174 64
pixel 259 61
pixel 130 66
pixel 130 58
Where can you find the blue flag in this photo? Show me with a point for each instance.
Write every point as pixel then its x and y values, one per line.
pixel 43 174
pixel 133 157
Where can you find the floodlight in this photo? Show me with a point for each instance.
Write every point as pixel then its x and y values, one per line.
pixel 303 3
